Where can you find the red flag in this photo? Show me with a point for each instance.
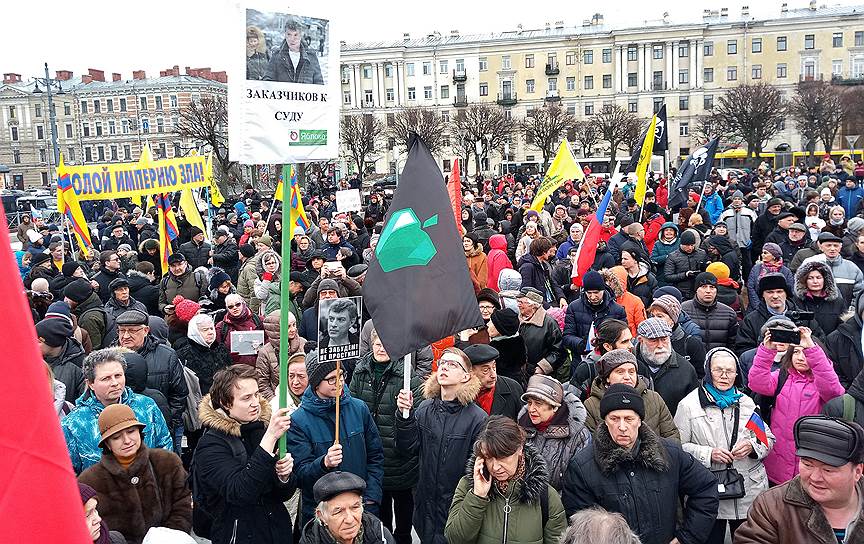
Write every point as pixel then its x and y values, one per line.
pixel 35 470
pixel 455 192
pixel 587 252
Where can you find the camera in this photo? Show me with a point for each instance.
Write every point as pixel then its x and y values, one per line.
pixel 800 317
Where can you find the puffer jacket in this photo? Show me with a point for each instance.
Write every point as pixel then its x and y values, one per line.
pixel 246 282
pixel 828 308
pixel 801 395
pixel 643 284
pixel 443 434
pixel 478 266
pixel 538 275
pixel 719 322
pixel 484 520
pixel 67 368
pixel 496 260
pixel 661 251
pixel 657 415
pixel 580 316
pixel 634 308
pixel 565 435
pixel 400 468
pixel 81 427
pixel 644 484
pixel 678 264
pixel 704 426
pixel 93 319
pixel 263 287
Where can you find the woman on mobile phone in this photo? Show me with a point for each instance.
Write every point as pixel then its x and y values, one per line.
pixel 805 381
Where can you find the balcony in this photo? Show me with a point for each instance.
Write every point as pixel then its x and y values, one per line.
pixel 367 105
pixel 810 77
pixel 507 99
pixel 460 101
pixel 848 79
pixel 553 96
pixel 459 76
pixel 660 85
pixel 552 69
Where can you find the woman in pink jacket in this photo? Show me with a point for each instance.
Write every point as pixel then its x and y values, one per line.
pixel 810 383
pixel 497 260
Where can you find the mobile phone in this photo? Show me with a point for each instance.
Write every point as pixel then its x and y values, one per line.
pixel 485 472
pixel 785 336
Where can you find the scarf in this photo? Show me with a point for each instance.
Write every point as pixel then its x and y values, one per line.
pixel 520 474
pixel 771 268
pixel 723 399
pixel 485 398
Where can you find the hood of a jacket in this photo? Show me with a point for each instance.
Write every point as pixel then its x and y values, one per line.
pixel 598 387
pixel 669 225
pixel 722 243
pixel 576 414
pixel 509 280
pixel 830 286
pixel 219 420
pixel 616 279
pixel 465 395
pixel 505 226
pixel 271 327
pixel 259 265
pixel 535 481
pixel 498 241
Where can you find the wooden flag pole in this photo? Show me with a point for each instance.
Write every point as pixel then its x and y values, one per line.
pixel 338 397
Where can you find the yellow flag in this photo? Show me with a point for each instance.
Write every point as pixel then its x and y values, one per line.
pixel 190 210
pixel 644 163
pixel 278 194
pixel 564 167
pixel 216 198
pixel 150 203
pixel 136 199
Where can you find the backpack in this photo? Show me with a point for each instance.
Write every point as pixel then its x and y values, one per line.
pixel 544 507
pixel 766 402
pixel 199 281
pixel 204 513
pixel 109 334
pixel 849 407
pixel 223 330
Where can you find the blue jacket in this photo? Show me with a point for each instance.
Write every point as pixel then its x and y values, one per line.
pixel 713 204
pixel 662 250
pixel 312 433
pixel 580 317
pixel 81 427
pixel 564 248
pixel 849 199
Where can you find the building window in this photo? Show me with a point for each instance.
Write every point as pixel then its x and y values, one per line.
pixel 781 43
pixel 553 84
pixel 172 100
pixel 445 116
pixel 529 61
pixel 100 153
pixel 683 103
pixel 70 153
pixel 708 75
pixel 633 106
pixel 88 154
pixel 571 109
pixel 483 64
pixel 588 56
pixel 143 101
pixel 113 152
pixel 781 70
pixel 756 45
pixel 427 92
pixel 683 77
pixel 16 156
pixel 109 104
pixel 445 91
pixel 756 71
pixel 367 71
pixel 658 52
pixel 85 129
pixel 68 130
pixel 505 62
pixel 127 152
pixel 122 104
pixel 97 106
pixel 631 79
pixel 529 85
pixel 427 68
pixel 84 108
pixel 631 52
pixel 460 65
pixel 732 47
pixel 442 67
pixel 178 151
pixel 708 49
pixel 484 89
pixel 571 83
pixel 684 129
pixel 684 50
pixel 38 108
pixel 809 41
pixel 124 126
pixel 836 67
pixel 160 125
pixel 708 102
pixel 657 82
pixel 159 103
pixel 409 68
pixel 607 81
pixel 43 155
pixel 40 132
pixel 732 73
pixel 412 93
pixel 658 103
pixel 346 97
pixel 607 56
pixel 859 38
pixel 389 95
pixel 367 96
pixel 589 82
pixel 112 127
pixel 837 39
pixel 67 109
pixel 589 108
pixel 570 58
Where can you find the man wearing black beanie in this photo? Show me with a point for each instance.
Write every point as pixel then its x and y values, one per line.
pixel 62 353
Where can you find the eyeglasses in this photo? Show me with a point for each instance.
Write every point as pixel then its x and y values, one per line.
pixel 450 364
pixel 129 332
pixel 232 306
pixel 487 307
pixel 724 372
pixel 332 381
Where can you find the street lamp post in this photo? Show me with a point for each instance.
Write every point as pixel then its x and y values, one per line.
pixel 488 149
pixel 49 82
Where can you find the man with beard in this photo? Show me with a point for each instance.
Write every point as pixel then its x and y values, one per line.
pixel 673 376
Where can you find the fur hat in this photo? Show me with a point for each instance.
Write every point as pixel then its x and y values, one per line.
pixel 770 282
pixel 506 321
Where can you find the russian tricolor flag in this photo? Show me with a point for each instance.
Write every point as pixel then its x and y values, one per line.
pixel 588 247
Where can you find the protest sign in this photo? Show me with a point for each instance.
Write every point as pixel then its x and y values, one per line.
pixel 348 200
pixel 339 324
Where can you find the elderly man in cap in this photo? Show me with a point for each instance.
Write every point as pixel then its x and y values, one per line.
pixel 121 300
pixel 499 395
pixel 824 502
pixel 631 470
pixel 673 377
pixel 164 371
pixel 181 279
pixel 849 278
pixel 542 336
pixel 340 516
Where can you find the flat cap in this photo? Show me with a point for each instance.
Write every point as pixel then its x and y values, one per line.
pixel 480 354
pixel 335 483
pixel 133 317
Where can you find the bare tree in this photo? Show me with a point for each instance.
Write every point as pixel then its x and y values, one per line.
pixel 484 123
pixel 853 104
pixel 426 122
pixel 752 113
pixel 585 135
pixel 806 109
pixel 206 121
pixel 615 126
pixel 545 126
pixel 634 134
pixel 360 134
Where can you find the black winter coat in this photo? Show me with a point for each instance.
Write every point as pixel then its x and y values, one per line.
pixel 512 358
pixel 204 361
pixel 539 276
pixel 197 255
pixel 67 368
pixel 543 343
pixel 507 399
pixel 844 350
pixel 829 308
pixel 580 315
pixel 144 292
pixel 165 373
pixel 644 485
pixel 678 264
pixel 674 381
pixel 718 322
pixel 104 278
pixel 749 332
pixel 226 257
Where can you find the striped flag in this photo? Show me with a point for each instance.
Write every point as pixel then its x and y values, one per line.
pixel 167 228
pixel 588 246
pixel 69 207
pixel 756 425
pixel 298 214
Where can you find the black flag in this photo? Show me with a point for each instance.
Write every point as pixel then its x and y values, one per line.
pixel 697 167
pixel 661 141
pixel 418 288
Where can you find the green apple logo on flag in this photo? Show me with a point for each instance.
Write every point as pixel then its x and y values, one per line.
pixel 404 243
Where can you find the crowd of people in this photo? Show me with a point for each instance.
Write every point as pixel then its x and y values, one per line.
pixel 704 377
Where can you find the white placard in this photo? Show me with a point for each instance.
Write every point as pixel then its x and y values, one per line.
pixel 246 342
pixel 284 83
pixel 348 200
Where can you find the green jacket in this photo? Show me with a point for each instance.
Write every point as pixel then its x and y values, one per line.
pixel 400 468
pixel 475 520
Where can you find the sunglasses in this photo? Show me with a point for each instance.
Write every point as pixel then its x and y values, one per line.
pixel 232 306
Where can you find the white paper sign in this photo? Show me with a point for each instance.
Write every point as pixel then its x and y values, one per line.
pixel 246 342
pixel 348 200
pixel 283 86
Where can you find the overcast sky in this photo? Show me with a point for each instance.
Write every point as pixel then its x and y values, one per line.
pixel 157 34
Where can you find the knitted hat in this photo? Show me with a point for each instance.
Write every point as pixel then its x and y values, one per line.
pixel 78 290
pixel 249 223
pixel 87 492
pixel 613 359
pixel 653 327
pixel 124 247
pixel 195 231
pixel 855 224
pixel 506 321
pixel 54 331
pixel 327 284
pixel 316 370
pixel 266 240
pixel 184 308
pixel 59 309
pixel 69 268
pixel 115 418
pixel 544 388
pixel 247 251
pixel 773 249
pixel 219 277
pixel 619 396
pixel 593 281
pixel 668 305
pixel 688 238
pixel 720 270
pixel 668 290
pixel 738 194
pixel 770 282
